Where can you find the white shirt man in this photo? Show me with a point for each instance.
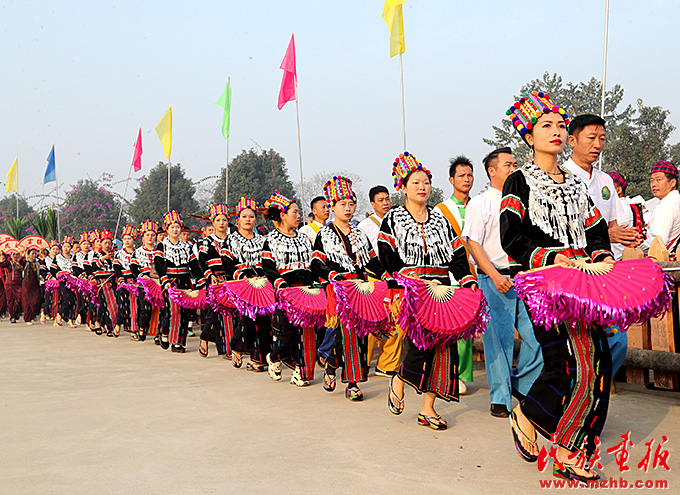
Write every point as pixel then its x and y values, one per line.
pixel 600 189
pixel 665 220
pixel 506 311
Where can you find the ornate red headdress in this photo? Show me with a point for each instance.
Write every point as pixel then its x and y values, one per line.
pixel 216 209
pixel 525 112
pixel 148 226
pixel 247 202
pixel 129 230
pixel 338 188
pixel 172 217
pixel 279 201
pixel 84 237
pixel 68 239
pixel 403 166
pixel 105 234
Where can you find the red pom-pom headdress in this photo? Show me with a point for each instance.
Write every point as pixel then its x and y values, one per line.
pixel 105 234
pixel 338 188
pixel 247 202
pixel 525 112
pixel 130 230
pixel 172 217
pixel 216 209
pixel 404 165
pixel 148 226
pixel 279 201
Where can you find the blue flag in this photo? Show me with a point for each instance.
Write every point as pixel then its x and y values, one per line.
pixel 51 170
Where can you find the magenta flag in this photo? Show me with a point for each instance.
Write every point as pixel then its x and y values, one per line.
pixel 137 155
pixel 288 83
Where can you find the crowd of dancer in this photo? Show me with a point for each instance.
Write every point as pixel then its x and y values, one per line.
pixel 538 215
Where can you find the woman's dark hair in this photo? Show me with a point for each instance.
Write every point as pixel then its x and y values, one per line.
pixel 405 180
pixel 273 214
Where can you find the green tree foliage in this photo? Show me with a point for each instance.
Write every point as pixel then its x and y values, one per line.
pixel 88 206
pixel 255 174
pixel 314 187
pixel 8 207
pixel 637 136
pixel 152 193
pixel 16 227
pixel 44 223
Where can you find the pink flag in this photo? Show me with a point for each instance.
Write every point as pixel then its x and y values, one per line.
pixel 288 83
pixel 137 155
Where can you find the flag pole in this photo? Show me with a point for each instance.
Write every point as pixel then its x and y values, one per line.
pixel 56 176
pixel 604 70
pixel 226 168
pixel 16 193
pixel 120 212
pixel 297 113
pixel 168 184
pixel 403 113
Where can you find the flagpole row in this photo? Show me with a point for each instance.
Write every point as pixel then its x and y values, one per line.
pixel 297 113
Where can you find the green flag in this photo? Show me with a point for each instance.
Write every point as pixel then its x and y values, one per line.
pixel 225 101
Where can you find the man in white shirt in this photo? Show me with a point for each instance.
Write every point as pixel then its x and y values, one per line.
pixel 321 214
pixel 461 177
pixel 389 349
pixel 665 220
pixel 587 138
pixel 506 310
pixel 381 204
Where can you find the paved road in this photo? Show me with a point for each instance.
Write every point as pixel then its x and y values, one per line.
pixel 87 414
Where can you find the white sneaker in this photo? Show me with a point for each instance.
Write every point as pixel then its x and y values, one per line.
pixel 274 369
pixel 296 378
pixel 462 389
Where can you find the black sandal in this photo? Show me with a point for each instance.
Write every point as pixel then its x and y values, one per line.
pixel 434 422
pixel 203 352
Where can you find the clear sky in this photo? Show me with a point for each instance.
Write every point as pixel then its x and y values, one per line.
pixel 85 75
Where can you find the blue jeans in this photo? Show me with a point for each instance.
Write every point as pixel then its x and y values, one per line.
pixel 618 345
pixel 507 313
pixel 326 344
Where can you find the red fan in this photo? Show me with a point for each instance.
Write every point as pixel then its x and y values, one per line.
pixel 304 306
pixel 220 300
pixel 432 313
pixel 364 306
pixel 252 297
pixel 624 293
pixel 188 299
pixel 152 292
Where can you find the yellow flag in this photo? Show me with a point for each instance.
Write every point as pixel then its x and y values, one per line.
pixel 13 177
pixel 394 18
pixel 164 131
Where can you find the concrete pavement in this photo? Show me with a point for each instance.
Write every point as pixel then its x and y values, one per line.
pixel 82 413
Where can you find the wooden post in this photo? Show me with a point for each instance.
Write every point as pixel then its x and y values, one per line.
pixel 638 335
pixel 661 329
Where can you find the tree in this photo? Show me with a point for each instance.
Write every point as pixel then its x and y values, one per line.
pixel 16 227
pixel 8 207
pixel 44 223
pixel 88 206
pixel 257 175
pixel 636 136
pixel 151 195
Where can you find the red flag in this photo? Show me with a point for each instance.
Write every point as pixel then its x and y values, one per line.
pixel 288 83
pixel 137 155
